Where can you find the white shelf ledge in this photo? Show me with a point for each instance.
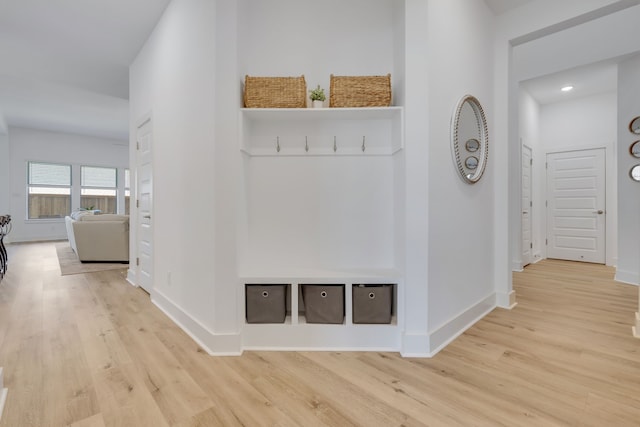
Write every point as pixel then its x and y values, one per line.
pixel 274 114
pixel 311 276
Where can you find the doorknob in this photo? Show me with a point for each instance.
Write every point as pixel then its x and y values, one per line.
pixel 599 212
pixel 147 217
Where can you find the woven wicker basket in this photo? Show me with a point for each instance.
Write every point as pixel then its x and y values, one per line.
pixel 275 92
pixel 360 91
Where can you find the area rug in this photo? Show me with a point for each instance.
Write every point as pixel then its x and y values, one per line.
pixel 70 264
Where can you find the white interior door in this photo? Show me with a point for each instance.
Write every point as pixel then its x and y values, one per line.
pixel 576 205
pixel 144 198
pixel 527 204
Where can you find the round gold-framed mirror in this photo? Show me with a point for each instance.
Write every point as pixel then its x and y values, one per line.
pixel 634 126
pixel 469 139
pixel 634 173
pixel 634 149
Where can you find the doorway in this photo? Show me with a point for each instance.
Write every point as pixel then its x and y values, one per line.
pixel 576 205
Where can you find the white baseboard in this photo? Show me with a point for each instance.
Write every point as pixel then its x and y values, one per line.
pixel 507 301
pixel 3 399
pixel 16 240
pixel 516 265
pixel 212 343
pixel 320 337
pixel 628 277
pixel 463 321
pixel 636 329
pixel 415 345
pixel 131 277
pixel 3 392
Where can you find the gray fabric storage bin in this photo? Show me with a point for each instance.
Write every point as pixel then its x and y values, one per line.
pixel 323 303
pixel 372 303
pixel 265 303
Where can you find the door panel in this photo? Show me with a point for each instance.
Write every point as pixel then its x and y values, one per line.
pixel 527 241
pixel 576 205
pixel 144 187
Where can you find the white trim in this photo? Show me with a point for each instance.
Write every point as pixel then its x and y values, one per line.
pixel 224 344
pixel 415 345
pixel 320 337
pixel 506 301
pixel 3 392
pixel 131 277
pixel 33 239
pixel 577 148
pixel 3 399
pixel 516 265
pixel 628 277
pixel 455 327
pixel 636 329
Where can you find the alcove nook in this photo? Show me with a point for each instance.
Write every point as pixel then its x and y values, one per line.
pixel 322 199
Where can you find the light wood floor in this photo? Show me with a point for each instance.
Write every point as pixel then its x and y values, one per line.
pixel 91 350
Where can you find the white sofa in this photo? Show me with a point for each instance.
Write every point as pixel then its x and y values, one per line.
pixel 103 237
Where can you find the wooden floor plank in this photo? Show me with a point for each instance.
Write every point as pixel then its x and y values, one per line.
pixel 91 350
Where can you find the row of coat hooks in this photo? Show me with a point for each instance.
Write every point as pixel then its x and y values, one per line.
pixel 335 144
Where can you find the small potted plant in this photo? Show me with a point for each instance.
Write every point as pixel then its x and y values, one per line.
pixel 318 97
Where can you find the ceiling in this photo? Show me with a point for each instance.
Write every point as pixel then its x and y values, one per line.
pixel 502 6
pixel 65 63
pixel 591 79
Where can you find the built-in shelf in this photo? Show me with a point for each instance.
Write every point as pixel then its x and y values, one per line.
pixel 355 187
pixel 296 334
pixel 375 131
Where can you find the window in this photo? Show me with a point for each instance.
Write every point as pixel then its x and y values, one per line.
pixel 127 191
pixel 98 188
pixel 49 192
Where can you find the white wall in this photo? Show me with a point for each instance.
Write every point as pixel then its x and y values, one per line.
pixel 41 146
pixel 295 37
pixel 581 123
pixel 529 128
pixel 416 340
pixel 628 191
pixel 173 80
pixel 596 119
pixel 461 254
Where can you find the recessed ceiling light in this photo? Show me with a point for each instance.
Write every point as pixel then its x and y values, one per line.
pixel 567 88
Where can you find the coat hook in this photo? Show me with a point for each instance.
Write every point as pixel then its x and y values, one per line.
pixel 335 146
pixel 306 144
pixel 363 145
pixel 278 144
